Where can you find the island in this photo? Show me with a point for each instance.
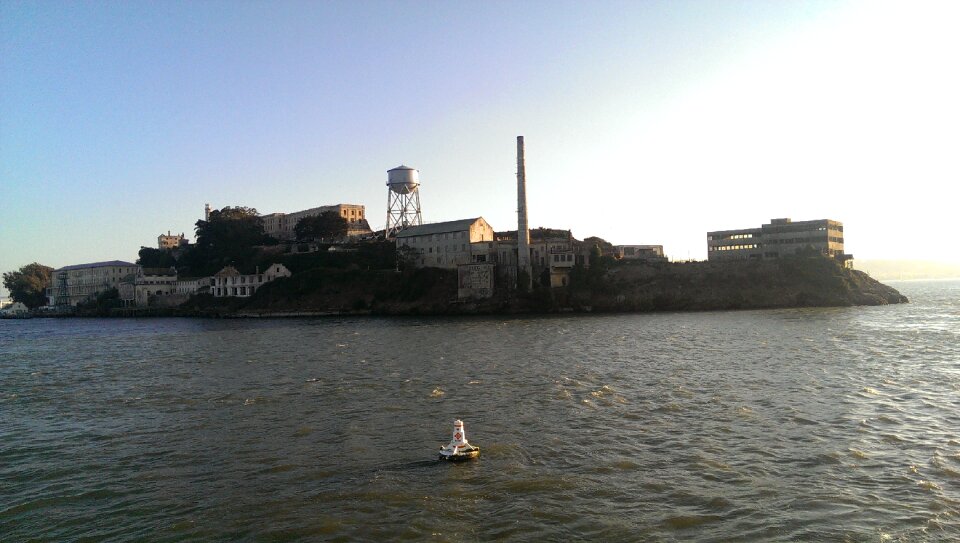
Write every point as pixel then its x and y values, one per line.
pixel 344 285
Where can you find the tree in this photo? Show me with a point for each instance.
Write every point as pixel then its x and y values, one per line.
pixel 599 262
pixel 155 258
pixel 605 246
pixel 407 257
pixel 28 284
pixel 327 225
pixel 228 236
pixel 545 278
pixel 103 303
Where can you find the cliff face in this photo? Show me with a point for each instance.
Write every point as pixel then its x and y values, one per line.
pixel 807 282
pixel 796 282
pixel 340 291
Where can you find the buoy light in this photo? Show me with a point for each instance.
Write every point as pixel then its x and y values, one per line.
pixel 459 448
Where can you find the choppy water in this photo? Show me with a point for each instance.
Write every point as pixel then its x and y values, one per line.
pixel 812 424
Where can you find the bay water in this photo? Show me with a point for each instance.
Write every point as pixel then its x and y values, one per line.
pixel 838 424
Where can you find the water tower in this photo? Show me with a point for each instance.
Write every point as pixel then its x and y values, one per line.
pixel 403 199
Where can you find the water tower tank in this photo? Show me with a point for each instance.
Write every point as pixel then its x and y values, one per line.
pixel 403 179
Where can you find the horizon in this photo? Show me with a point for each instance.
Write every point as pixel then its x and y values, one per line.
pixel 644 123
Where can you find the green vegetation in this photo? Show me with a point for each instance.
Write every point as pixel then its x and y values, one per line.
pixel 406 256
pixel 328 226
pixel 102 304
pixel 354 256
pixel 364 278
pixel 341 290
pixel 800 281
pixel 229 237
pixel 379 278
pixel 156 258
pixel 28 284
pixel 234 236
pixel 603 245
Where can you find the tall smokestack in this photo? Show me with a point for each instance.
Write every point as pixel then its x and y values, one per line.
pixel 523 228
pixel 206 212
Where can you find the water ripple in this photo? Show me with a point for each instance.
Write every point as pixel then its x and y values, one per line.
pixel 787 425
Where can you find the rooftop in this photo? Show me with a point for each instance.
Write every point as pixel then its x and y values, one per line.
pixel 536 234
pixel 159 271
pixel 107 264
pixel 437 228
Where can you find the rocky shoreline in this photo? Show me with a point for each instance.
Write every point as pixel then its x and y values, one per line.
pixel 621 288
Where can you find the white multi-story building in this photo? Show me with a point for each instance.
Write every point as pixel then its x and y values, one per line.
pixel 779 238
pixel 230 282
pixel 444 244
pixel 281 225
pixel 71 285
pixel 189 286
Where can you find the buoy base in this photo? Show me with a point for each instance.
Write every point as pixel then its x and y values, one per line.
pixel 460 455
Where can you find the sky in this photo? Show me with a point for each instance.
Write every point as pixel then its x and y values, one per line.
pixel 644 122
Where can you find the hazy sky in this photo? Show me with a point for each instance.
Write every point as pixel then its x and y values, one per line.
pixel 645 122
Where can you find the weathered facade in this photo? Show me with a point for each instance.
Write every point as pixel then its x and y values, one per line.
pixel 444 244
pixel 475 280
pixel 154 283
pixel 71 285
pixel 553 253
pixel 193 285
pixel 171 241
pixel 281 225
pixel 646 253
pixel 777 239
pixel 14 310
pixel 145 287
pixel 230 282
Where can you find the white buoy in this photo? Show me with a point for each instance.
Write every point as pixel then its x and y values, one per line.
pixel 459 448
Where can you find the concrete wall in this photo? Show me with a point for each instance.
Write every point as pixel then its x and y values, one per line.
pixel 475 281
pixel 85 282
pixel 281 225
pixel 779 238
pixel 448 249
pixel 230 282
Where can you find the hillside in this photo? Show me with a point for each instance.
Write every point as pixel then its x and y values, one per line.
pixel 796 282
pixel 616 287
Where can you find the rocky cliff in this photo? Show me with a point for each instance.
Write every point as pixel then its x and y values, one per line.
pixel 795 282
pixel 622 286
